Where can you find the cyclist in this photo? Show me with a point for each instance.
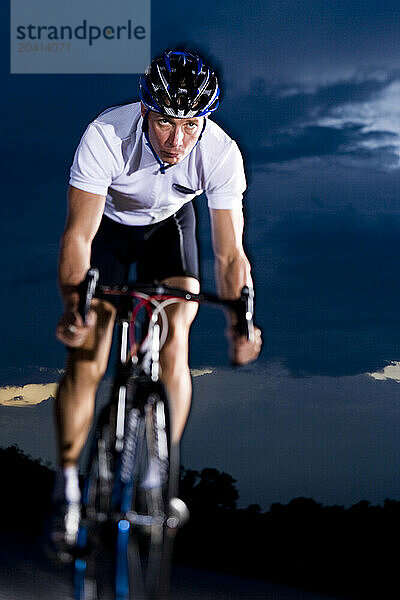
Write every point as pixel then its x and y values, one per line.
pixel 135 173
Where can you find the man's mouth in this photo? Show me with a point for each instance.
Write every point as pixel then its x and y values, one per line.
pixel 171 154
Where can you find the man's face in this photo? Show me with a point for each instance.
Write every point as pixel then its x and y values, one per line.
pixel 173 139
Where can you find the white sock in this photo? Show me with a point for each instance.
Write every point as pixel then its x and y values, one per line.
pixel 72 490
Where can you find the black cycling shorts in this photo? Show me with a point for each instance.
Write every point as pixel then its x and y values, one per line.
pixel 161 250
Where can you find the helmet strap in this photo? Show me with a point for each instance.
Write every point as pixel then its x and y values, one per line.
pixel 145 129
pixel 202 131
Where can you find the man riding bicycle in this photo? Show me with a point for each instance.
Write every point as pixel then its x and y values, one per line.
pixel 135 173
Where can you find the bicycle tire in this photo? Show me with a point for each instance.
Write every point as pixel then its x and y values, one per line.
pixel 149 550
pixel 127 531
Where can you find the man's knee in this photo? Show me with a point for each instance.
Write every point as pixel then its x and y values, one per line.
pixel 85 373
pixel 176 344
pixel 174 354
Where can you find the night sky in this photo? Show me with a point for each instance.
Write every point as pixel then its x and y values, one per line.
pixel 310 93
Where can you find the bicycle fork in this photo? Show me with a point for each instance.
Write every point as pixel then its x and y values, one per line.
pixel 122 565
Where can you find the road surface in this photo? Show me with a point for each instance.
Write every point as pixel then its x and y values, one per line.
pixel 27 574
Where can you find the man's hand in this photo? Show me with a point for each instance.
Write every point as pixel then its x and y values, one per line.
pixel 72 331
pixel 242 350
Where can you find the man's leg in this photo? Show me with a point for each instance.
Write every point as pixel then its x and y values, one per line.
pixel 77 390
pixel 74 410
pixel 175 354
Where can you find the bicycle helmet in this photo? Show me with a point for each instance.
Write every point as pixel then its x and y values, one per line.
pixel 179 84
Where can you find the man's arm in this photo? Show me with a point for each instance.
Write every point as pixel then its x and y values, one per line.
pixel 232 270
pixel 85 211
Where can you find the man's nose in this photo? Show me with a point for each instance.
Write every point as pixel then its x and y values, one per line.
pixel 176 137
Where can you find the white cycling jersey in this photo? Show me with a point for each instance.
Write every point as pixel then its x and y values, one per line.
pixel 114 159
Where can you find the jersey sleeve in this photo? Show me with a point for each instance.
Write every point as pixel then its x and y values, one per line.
pixel 95 162
pixel 227 181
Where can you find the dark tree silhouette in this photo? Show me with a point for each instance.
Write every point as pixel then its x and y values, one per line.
pixel 209 490
pixel 26 490
pixel 253 509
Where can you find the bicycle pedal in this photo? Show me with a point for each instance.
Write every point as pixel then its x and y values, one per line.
pixel 178 513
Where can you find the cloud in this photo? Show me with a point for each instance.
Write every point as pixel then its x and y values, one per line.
pixel 200 372
pixel 391 371
pixel 355 121
pixel 309 141
pixel 377 117
pixel 26 395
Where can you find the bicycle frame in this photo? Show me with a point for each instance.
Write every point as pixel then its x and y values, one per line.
pixel 115 484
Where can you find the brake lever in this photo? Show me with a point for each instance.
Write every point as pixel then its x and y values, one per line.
pixel 244 308
pixel 86 292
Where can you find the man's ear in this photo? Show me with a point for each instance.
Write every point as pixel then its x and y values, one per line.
pixel 143 109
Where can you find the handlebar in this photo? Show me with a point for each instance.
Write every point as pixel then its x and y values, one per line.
pixel 243 307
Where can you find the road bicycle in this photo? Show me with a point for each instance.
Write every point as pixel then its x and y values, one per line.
pixel 130 510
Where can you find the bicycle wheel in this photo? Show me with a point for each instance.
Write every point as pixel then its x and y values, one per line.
pixel 151 523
